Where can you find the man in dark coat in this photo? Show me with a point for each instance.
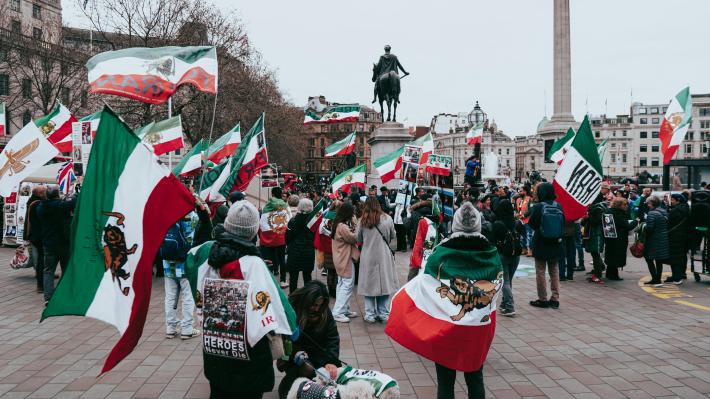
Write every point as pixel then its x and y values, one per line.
pixel 545 251
pixel 678 237
pixel 33 233
pixel 55 216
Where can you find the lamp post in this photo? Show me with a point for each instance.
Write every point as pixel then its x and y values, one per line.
pixel 475 117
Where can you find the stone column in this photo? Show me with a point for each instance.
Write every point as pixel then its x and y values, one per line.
pixel 562 63
pixel 386 138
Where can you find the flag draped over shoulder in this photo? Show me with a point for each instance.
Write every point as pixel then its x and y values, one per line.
pixel 389 166
pixel 152 75
pixel 273 223
pixel 561 146
pixel 278 316
pixel 447 314
pixel 57 126
pixel 163 136
pixel 26 152
pixel 675 124
pixel 342 147
pixel 126 206
pixel 351 177
pixel 579 177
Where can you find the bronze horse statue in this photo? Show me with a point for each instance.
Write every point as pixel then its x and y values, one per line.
pixel 387 88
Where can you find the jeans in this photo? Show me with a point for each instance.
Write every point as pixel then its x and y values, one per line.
pixel 401 237
pixel 598 264
pixel 524 237
pixel 377 307
pixel 553 270
pixel 530 232
pixel 568 251
pixel 510 265
pixel 342 296
pixel 171 300
pixel 277 256
pixel 655 267
pixel 52 256
pixel 293 278
pixel 446 378
pixel 37 260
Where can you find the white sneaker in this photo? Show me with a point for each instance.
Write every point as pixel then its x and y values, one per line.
pixel 189 336
pixel 283 285
pixel 352 315
pixel 370 320
pixel 341 318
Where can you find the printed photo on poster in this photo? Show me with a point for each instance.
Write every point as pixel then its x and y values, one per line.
pixel 78 169
pixel 224 318
pixel 609 225
pixel 86 133
pixel 412 154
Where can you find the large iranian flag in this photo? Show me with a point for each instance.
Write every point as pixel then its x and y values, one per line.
pixel 334 114
pixel 433 318
pixel 475 135
pixel 351 177
pixel 191 163
pixel 163 136
pixel 57 127
pixel 225 145
pixel 389 166
pixel 127 203
pixel 675 124
pixel 3 119
pixel 426 142
pixel 342 147
pixel 246 162
pixel 273 223
pixel 152 75
pixel 579 177
pixel 561 146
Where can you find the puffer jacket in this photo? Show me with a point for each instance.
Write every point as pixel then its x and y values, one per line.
pixel 656 247
pixel 299 244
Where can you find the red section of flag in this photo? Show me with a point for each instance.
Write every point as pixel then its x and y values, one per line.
pixel 393 173
pixel 172 145
pixel 572 209
pixel 665 135
pixel 248 170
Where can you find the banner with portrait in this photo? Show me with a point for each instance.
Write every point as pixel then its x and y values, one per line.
pixel 410 163
pixel 81 146
pixel 224 318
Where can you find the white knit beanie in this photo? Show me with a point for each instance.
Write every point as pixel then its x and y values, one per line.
pixel 242 220
pixel 467 219
pixel 305 205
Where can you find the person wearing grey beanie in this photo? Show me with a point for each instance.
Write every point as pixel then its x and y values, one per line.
pixel 467 219
pixel 242 220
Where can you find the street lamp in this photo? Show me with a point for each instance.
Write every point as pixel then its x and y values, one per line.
pixel 475 117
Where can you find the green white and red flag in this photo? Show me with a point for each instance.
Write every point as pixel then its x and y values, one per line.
pixel 475 135
pixel 152 75
pixel 27 151
pixel 225 145
pixel 578 179
pixel 561 146
pixel 388 167
pixel 3 119
pixel 212 180
pixel 163 136
pixel 342 147
pixel 675 124
pixel 601 150
pixel 94 118
pixel 57 127
pixel 127 204
pixel 191 163
pixel 426 142
pixel 316 216
pixel 432 318
pixel 351 177
pixel 334 114
pixel 245 164
pixel 273 223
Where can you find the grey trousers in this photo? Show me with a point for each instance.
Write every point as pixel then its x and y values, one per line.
pixel 510 265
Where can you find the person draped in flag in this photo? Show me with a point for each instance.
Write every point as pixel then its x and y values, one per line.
pixel 272 233
pixel 299 241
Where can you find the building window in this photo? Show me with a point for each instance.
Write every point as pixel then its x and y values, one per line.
pixel 642 111
pixel 623 158
pixel 613 145
pixel 705 148
pixel 177 152
pixel 322 142
pixel 37 33
pixel 705 124
pixel 688 148
pixel 4 85
pixel 36 11
pixel 654 161
pixel 15 5
pixel 322 152
pixel 643 161
pixel 3 55
pixel 26 118
pixel 500 151
pixel 16 26
pixel 644 121
pixel 623 169
pixel 654 135
pixel 312 142
pixel 704 112
pixel 613 158
pixel 655 121
pixel 689 136
pixel 596 134
pixel 654 110
pixel 311 153
pixel 623 134
pixel 613 134
pixel 26 88
pixel 643 135
pixel 623 145
pixel 654 148
pixel 643 148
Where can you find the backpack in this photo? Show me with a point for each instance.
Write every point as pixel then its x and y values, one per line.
pixel 175 246
pixel 552 221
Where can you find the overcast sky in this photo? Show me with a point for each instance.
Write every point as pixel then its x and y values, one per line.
pixel 496 52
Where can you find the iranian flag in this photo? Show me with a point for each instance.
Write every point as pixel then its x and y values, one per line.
pixel 273 223
pixel 342 147
pixel 152 75
pixel 433 319
pixel 163 136
pixel 3 120
pixel 579 177
pixel 57 127
pixel 351 177
pixel 246 162
pixel 675 124
pixel 316 216
pixel 191 163
pixel 225 145
pixel 475 135
pixel 334 114
pixel 212 180
pixel 426 142
pixel 561 146
pixel 128 201
pixel 94 118
pixel 389 166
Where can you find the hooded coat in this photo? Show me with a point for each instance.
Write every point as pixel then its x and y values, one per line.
pixel 299 241
pixel 656 245
pixel 542 248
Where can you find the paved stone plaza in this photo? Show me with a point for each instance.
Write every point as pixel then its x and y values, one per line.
pixel 611 341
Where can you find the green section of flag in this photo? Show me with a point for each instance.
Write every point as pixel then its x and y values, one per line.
pixel 557 145
pixel 446 263
pixel 239 156
pixel 197 149
pixel 45 119
pixel 160 126
pixel 586 146
pixel 388 158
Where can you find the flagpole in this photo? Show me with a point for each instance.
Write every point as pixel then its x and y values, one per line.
pixel 209 139
pixel 170 115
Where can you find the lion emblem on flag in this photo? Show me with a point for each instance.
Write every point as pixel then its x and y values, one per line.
pixel 116 251
pixel 263 300
pixel 278 221
pixel 348 178
pixel 675 119
pixel 153 138
pixel 470 294
pixel 48 128
pixel 164 66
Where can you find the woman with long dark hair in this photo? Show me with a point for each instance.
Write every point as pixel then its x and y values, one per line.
pixel 318 338
pixel 378 279
pixel 345 252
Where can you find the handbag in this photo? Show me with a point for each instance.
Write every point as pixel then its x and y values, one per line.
pixel 637 247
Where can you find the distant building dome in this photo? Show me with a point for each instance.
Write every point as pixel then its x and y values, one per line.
pixel 542 123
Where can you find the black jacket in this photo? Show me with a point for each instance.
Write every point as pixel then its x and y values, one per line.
pixel 543 249
pixel 231 375
pixel 203 230
pixel 679 236
pixel 55 218
pixel 299 244
pixel 615 248
pixel 322 347
pixel 33 224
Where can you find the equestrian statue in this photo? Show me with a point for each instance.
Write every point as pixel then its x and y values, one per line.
pixel 385 74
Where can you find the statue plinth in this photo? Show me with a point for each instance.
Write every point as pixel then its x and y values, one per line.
pixel 386 138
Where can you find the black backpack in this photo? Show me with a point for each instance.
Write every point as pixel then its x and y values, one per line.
pixel 175 246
